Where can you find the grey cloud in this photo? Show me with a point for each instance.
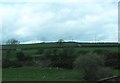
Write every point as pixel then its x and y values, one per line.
pixel 52 21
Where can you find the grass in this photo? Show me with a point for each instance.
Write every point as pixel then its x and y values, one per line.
pixel 31 49
pixel 41 74
pixel 117 72
pixel 46 74
pixel 32 52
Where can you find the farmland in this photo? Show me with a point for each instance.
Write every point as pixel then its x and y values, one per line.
pixel 31 49
pixel 58 71
pixel 40 74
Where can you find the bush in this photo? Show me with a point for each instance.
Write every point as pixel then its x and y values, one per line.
pixel 23 60
pixel 104 72
pixel 20 56
pixel 17 64
pixel 63 58
pixel 101 52
pixel 6 63
pixel 89 64
pixel 59 57
pixel 81 52
pixel 40 51
pixel 112 60
pixel 47 54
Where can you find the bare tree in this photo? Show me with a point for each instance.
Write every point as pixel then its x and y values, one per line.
pixel 11 45
pixel 12 42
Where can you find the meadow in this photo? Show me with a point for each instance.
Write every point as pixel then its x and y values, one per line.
pixel 31 49
pixel 41 74
pixel 48 73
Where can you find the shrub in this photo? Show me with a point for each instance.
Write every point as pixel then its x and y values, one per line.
pixel 47 53
pixel 20 56
pixel 6 63
pixel 83 52
pixel 23 60
pixel 63 58
pixel 89 64
pixel 101 52
pixel 40 51
pixel 104 72
pixel 17 64
pixel 112 60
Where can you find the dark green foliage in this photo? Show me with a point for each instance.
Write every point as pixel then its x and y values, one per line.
pixel 101 52
pixel 20 56
pixel 40 51
pixel 6 63
pixel 104 72
pixel 89 64
pixel 17 64
pixel 63 58
pixel 23 60
pixel 113 60
pixel 5 60
pixel 47 54
pixel 81 52
pixel 28 58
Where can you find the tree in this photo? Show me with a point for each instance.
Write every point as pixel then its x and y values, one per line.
pixel 63 57
pixel 20 56
pixel 11 45
pixel 60 41
pixel 23 60
pixel 12 42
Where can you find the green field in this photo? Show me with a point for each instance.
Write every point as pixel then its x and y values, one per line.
pixel 41 74
pixel 46 74
pixel 31 49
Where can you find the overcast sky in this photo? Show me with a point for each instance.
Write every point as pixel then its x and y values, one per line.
pixel 49 21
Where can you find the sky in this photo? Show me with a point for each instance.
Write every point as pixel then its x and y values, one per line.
pixel 50 20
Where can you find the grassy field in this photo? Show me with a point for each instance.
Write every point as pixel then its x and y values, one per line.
pixel 46 74
pixel 33 52
pixel 41 74
pixel 31 49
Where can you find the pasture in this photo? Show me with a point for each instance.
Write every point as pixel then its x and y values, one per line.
pixel 31 49
pixel 44 74
pixel 41 74
pixel 38 73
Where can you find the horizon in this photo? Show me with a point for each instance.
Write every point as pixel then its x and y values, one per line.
pixel 38 42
